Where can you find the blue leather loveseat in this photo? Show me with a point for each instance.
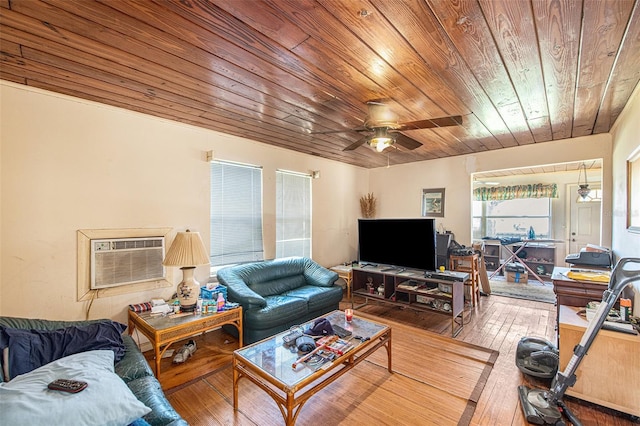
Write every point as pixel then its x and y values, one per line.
pixel 277 294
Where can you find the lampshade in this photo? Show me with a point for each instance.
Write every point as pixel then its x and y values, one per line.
pixel 187 252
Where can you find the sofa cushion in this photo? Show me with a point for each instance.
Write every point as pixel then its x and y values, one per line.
pixel 30 349
pixel 280 309
pixel 278 285
pixel 106 400
pixel 317 297
pixel 273 276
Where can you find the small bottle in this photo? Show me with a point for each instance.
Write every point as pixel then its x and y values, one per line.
pixel 532 233
pixel 625 309
pixel 220 302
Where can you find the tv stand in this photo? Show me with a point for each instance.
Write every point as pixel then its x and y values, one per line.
pixel 416 289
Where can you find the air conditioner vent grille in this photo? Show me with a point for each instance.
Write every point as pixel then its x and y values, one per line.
pixel 116 262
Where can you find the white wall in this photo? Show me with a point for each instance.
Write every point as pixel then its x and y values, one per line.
pixel 69 164
pixel 625 141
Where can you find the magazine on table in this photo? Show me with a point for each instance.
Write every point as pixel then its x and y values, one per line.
pixel 320 359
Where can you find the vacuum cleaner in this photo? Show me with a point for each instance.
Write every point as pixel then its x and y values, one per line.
pixel 545 407
pixel 537 357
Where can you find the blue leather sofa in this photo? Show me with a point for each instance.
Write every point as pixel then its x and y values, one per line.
pixel 133 369
pixel 277 294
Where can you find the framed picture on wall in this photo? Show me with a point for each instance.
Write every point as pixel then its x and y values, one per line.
pixel 633 192
pixel 433 202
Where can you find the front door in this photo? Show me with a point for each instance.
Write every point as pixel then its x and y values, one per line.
pixel 584 226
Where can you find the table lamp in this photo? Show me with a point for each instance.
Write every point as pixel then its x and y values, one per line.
pixel 187 252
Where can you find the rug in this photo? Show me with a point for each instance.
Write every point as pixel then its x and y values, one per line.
pixel 436 380
pixel 533 290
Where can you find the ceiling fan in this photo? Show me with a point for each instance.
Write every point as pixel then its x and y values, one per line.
pixel 382 129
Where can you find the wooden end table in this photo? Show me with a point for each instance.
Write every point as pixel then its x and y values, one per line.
pixel 344 272
pixel 163 331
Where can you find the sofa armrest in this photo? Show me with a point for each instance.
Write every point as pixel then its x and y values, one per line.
pixel 318 275
pixel 238 291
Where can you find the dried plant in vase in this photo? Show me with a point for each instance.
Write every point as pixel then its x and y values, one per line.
pixel 368 205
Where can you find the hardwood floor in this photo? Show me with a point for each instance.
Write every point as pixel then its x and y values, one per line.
pixel 497 323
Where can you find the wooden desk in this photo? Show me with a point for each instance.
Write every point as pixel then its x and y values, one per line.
pixel 574 292
pixel 609 374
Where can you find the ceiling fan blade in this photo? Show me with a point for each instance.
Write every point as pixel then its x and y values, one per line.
pixel 356 144
pixel 357 129
pixel 453 120
pixel 407 142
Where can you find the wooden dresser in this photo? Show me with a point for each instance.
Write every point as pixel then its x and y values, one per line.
pixel 574 292
pixel 609 374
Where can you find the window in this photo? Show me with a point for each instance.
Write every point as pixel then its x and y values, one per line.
pixel 512 218
pixel 236 213
pixel 293 214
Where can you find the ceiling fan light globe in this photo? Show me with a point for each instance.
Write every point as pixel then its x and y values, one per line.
pixel 380 143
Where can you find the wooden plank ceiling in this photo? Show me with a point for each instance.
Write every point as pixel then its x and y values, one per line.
pixel 517 71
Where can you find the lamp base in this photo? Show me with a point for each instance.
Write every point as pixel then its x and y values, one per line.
pixel 188 290
pixel 188 308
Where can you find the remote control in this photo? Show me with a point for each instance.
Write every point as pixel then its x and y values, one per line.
pixel 340 332
pixel 290 339
pixel 67 385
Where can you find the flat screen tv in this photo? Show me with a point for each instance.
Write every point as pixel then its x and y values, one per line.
pixel 399 243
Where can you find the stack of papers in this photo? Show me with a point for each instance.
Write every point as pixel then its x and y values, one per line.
pixel 584 275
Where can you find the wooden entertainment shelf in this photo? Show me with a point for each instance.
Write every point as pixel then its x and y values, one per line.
pixel 412 289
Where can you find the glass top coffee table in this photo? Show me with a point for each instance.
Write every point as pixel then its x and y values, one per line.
pixel 271 364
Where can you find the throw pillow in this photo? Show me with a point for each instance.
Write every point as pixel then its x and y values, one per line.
pixel 107 400
pixel 30 349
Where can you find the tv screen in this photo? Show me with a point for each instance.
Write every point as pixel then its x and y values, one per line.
pixel 401 243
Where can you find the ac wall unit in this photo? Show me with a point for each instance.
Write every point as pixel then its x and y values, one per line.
pixel 121 261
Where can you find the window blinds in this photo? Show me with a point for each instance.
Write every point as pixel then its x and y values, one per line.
pixel 236 213
pixel 293 214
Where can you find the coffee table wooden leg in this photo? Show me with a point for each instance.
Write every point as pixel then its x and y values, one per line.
pixel 290 419
pixel 389 353
pixel 236 376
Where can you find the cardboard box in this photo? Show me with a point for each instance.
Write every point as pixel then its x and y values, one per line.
pixel 517 277
pixel 514 267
